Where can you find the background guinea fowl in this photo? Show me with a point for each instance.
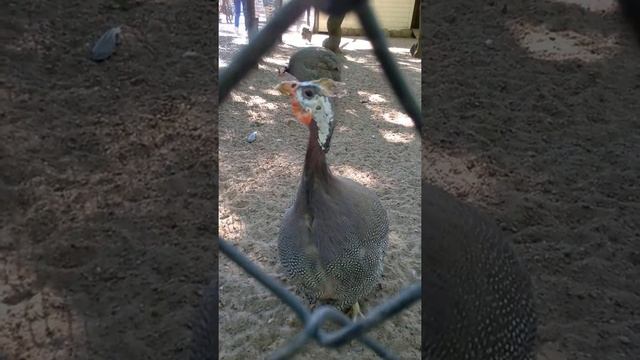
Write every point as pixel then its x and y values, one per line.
pixel 478 300
pixel 204 327
pixel 313 63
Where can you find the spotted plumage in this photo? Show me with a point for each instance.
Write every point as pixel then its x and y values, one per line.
pixel 334 237
pixel 478 301
pixel 313 63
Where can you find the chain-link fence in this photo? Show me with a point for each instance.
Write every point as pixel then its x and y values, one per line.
pixel 246 59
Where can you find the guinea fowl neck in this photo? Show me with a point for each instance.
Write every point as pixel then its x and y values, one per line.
pixel 315 163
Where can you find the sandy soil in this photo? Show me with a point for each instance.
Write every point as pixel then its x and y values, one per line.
pixel 108 205
pixel 532 113
pixel 374 144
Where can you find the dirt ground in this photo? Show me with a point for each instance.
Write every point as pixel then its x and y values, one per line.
pixel 106 178
pixel 374 144
pixel 532 113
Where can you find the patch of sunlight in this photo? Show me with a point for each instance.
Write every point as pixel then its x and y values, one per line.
pixel 359 60
pixel 372 98
pixel 398 50
pixel 253 100
pixel 271 91
pixel 397 138
pixel 249 100
pixel 606 6
pixel 260 116
pixel 295 39
pixel 255 107
pixel 279 61
pixel 267 68
pixel 240 41
pixel 355 43
pixel 462 174
pixel 235 186
pixel 236 96
pixel 369 62
pixel 362 177
pixel 411 60
pixel 226 30
pixel 397 118
pixel 544 44
pixel 222 63
pixel 39 326
pixel 231 226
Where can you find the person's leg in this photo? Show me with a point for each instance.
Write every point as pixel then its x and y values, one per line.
pixel 236 13
pixel 245 10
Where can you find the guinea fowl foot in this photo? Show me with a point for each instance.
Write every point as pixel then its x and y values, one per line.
pixel 355 312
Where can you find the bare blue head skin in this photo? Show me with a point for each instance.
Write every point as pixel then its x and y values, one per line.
pixel 310 101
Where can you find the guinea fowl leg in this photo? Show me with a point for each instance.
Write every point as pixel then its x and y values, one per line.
pixel 355 312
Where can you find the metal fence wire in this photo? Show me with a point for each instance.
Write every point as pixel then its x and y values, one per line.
pixel 246 59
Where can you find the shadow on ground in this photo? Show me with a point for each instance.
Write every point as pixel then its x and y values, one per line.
pixel 108 175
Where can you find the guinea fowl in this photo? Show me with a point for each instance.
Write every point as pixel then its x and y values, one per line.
pixel 313 63
pixel 334 237
pixel 478 297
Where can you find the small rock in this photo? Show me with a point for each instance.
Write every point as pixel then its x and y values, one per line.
pixel 252 137
pixel 106 44
pixel 625 340
pixel 190 54
pixel 489 43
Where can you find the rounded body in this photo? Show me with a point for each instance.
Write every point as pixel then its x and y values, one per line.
pixel 333 241
pixel 312 63
pixel 478 298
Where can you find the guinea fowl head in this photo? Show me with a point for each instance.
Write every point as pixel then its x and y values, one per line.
pixel 311 106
